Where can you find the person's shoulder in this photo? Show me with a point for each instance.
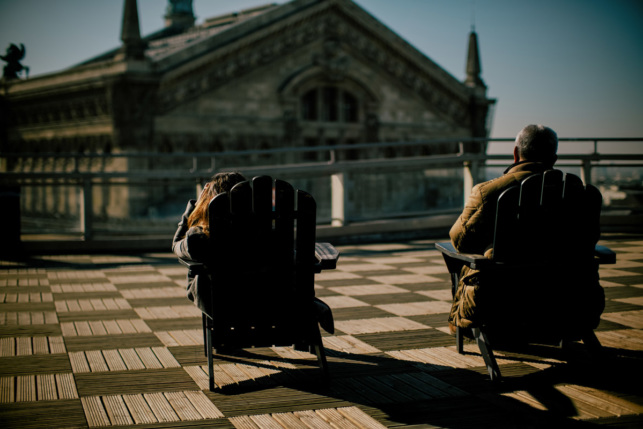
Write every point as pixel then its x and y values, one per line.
pixel 195 230
pixel 494 183
pixel 490 189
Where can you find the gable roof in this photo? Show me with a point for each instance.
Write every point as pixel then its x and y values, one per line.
pixel 170 47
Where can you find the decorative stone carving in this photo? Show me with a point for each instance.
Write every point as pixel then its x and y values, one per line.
pixel 332 60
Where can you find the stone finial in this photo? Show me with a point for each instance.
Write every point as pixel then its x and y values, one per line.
pixel 133 45
pixel 473 78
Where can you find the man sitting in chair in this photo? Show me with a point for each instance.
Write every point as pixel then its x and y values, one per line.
pixel 535 152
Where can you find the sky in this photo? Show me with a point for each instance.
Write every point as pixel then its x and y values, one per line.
pixel 574 65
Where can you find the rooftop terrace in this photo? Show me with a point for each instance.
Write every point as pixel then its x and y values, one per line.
pixel 99 340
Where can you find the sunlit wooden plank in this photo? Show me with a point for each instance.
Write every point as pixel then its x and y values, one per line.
pixel 94 411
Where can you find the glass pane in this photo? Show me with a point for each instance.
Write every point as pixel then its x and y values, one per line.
pixel 309 106
pixel 330 107
pixel 350 108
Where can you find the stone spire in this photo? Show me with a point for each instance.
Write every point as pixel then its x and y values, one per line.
pixel 473 79
pixel 133 45
pixel 179 14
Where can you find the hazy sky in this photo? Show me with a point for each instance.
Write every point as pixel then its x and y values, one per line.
pixel 575 65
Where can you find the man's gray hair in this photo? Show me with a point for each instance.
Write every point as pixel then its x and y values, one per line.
pixel 537 143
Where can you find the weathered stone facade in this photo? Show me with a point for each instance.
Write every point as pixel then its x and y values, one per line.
pixel 304 73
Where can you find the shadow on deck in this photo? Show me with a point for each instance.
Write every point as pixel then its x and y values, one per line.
pixel 110 340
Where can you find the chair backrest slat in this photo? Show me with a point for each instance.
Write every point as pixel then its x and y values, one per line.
pixel 306 221
pixel 549 220
pixel 284 214
pixel 506 223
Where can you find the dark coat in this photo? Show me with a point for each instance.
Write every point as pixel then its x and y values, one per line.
pixel 191 245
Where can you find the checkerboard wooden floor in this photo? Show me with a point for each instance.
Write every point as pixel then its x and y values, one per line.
pixel 111 340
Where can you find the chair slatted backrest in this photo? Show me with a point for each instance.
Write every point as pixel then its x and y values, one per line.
pixel 549 218
pixel 258 282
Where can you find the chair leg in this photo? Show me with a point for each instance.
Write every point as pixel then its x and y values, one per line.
pixel 487 354
pixel 321 359
pixel 459 340
pixel 208 345
pixel 205 339
pixel 591 342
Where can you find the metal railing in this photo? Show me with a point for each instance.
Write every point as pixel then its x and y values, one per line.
pixel 338 166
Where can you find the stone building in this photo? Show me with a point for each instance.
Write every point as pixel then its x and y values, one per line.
pixel 302 73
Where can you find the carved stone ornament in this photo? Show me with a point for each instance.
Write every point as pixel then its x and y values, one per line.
pixel 332 60
pixel 337 33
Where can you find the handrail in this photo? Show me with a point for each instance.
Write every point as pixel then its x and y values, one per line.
pixel 85 174
pixel 303 149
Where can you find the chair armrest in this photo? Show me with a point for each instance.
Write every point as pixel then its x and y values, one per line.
pixel 326 257
pixel 472 260
pixel 193 267
pixel 604 255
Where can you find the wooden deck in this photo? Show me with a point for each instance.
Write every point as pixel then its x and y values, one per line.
pixel 111 340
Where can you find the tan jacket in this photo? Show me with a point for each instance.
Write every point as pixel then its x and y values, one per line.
pixel 473 231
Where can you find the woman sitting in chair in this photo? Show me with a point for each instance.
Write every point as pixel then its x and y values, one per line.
pixel 191 244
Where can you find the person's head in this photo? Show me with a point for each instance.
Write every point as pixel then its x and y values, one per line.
pixel 219 183
pixel 536 143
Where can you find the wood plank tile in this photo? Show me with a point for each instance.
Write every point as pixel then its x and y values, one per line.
pixel 25 388
pixel 203 405
pixel 161 407
pixel 96 361
pixel 117 410
pixel 139 409
pixel 7 389
pixel 148 358
pixel 97 327
pixel 131 359
pixel 56 345
pixel 79 362
pixel 265 421
pixel 243 422
pixel 114 360
pixel 165 357
pixel 46 384
pixel 23 346
pixel 66 386
pixel 360 418
pixel 95 411
pixel 182 406
pixel 7 347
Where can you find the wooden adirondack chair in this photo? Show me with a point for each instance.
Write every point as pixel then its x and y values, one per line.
pixel 543 257
pixel 263 262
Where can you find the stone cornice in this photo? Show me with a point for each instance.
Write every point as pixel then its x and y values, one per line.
pixel 80 78
pixel 66 131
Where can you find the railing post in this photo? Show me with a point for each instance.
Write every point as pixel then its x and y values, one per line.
pixel 338 199
pixel 469 173
pixel 86 209
pixel 199 189
pixel 586 171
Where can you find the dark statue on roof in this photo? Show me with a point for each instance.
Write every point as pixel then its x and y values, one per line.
pixel 13 67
